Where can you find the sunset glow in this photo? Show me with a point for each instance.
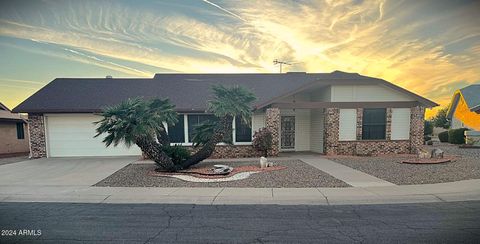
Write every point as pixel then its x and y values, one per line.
pixel 429 47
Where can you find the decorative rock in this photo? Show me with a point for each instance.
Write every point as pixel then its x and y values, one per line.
pixel 221 169
pixel 430 142
pixel 263 162
pixel 437 153
pixel 424 153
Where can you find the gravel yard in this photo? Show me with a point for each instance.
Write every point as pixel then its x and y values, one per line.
pixel 297 175
pixel 390 168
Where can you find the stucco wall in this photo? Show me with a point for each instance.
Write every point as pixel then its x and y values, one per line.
pixel 9 142
pixel 463 117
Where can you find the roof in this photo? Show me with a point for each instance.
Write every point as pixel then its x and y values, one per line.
pixel 189 92
pixel 471 95
pixel 6 114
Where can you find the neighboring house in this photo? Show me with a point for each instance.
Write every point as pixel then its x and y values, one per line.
pixel 331 113
pixel 13 133
pixel 464 110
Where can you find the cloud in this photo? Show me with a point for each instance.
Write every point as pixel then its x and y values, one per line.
pixel 406 43
pixel 224 10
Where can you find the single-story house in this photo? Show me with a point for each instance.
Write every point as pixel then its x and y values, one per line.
pixel 330 113
pixel 13 133
pixel 464 109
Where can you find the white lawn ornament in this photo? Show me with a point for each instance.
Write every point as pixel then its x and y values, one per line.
pixel 263 162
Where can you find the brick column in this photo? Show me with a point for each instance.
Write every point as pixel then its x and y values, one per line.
pixel 331 130
pixel 416 128
pixel 36 128
pixel 359 123
pixel 272 123
pixel 388 132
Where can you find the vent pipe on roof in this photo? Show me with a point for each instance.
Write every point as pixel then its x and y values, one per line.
pixel 108 77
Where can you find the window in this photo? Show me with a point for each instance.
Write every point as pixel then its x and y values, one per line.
pixel 243 132
pixel 374 123
pixel 194 121
pixel 177 132
pixel 20 131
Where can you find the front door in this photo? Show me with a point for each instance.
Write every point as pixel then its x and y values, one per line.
pixel 287 132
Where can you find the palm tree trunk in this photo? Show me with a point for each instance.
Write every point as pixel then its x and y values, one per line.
pixel 154 151
pixel 224 127
pixel 163 137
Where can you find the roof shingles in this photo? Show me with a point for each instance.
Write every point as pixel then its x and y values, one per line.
pixel 189 92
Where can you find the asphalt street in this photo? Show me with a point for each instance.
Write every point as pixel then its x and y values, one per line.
pixel 453 222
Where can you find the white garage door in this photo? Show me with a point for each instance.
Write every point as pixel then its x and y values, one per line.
pixel 72 135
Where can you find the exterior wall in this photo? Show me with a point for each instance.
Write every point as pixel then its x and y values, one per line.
pixel 231 151
pixel 36 127
pixel 334 146
pixel 463 117
pixel 258 121
pixel 9 144
pixel 456 123
pixel 302 127
pixel 417 125
pixel 366 93
pixel 316 130
pixel 272 122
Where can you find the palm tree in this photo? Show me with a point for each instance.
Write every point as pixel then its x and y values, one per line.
pixel 135 121
pixel 227 103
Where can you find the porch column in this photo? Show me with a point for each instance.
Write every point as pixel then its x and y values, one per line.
pixel 331 130
pixel 416 128
pixel 272 123
pixel 36 128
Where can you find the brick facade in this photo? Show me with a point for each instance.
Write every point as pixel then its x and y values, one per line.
pixel 36 127
pixel 331 131
pixel 416 128
pixel 231 151
pixel 272 122
pixel 332 145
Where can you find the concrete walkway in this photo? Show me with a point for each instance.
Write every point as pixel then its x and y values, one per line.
pixel 350 176
pixel 70 180
pixel 443 192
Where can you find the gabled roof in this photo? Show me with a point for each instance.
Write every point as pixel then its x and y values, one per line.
pixel 471 95
pixel 189 92
pixel 6 114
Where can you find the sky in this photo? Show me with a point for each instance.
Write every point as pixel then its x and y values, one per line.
pixel 429 47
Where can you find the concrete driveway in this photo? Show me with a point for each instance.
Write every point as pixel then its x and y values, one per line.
pixel 74 171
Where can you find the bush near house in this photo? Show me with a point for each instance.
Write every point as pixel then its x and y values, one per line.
pixel 457 136
pixel 177 153
pixel 443 136
pixel 263 140
pixel 428 128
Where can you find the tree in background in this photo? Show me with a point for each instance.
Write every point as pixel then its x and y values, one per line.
pixel 440 119
pixel 428 128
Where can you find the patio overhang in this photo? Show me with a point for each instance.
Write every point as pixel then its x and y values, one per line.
pixel 313 105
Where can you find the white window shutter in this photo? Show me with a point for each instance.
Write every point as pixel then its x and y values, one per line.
pixel 400 124
pixel 347 125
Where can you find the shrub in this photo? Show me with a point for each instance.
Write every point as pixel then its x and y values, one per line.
pixel 177 153
pixel 263 140
pixel 457 136
pixel 427 138
pixel 443 136
pixel 428 129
